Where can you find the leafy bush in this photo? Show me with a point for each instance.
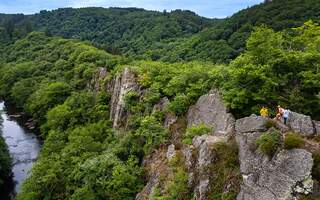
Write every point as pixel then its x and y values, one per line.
pixel 293 140
pixel 195 131
pixel 180 104
pixel 47 97
pixel 269 142
pixel 131 98
pixel 152 133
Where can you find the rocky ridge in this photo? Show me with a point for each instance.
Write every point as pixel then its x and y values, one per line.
pixel 284 176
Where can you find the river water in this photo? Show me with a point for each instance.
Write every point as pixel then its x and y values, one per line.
pixel 23 145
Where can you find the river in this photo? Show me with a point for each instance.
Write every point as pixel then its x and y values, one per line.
pixel 23 145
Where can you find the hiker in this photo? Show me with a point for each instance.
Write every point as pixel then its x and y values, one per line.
pixel 264 112
pixel 286 113
pixel 279 113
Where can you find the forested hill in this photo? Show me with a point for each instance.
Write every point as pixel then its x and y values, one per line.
pixel 167 36
pixel 226 40
pixel 120 30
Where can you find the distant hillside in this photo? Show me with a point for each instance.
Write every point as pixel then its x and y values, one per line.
pixel 224 41
pixel 130 31
pixel 167 36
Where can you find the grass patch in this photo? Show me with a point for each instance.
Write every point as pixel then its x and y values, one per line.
pixel 293 140
pixel 195 131
pixel 270 123
pixel 308 198
pixel 269 142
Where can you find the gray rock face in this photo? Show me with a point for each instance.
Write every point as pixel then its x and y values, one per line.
pixel 198 157
pixel 210 110
pixel 265 178
pixel 251 124
pixel 317 127
pixel 120 85
pixel 171 152
pixel 99 75
pixel 302 124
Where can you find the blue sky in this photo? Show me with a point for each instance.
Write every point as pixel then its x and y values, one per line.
pixel 207 8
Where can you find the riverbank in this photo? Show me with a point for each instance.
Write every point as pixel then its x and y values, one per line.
pixel 23 144
pixel 6 183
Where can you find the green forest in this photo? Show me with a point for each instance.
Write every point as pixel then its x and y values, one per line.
pixel 268 54
pixel 166 36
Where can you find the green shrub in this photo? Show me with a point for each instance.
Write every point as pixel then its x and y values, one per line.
pixel 269 142
pixel 178 188
pixel 131 98
pixel 179 105
pixel 151 133
pixel 270 123
pixel 195 131
pixel 293 140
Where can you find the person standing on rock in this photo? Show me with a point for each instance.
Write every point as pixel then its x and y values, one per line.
pixel 280 112
pixel 286 113
pixel 264 112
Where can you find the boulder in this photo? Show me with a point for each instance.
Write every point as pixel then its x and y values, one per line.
pixel 204 144
pixel 251 124
pixel 300 123
pixel 270 178
pixel 119 87
pixel 317 127
pixel 211 111
pixel 171 152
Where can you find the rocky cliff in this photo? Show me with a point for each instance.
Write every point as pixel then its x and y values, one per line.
pixel 280 177
pixel 284 176
pixel 119 86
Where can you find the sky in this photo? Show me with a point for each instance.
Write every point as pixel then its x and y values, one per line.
pixel 206 8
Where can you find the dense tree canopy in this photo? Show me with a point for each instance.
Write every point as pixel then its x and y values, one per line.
pixel 277 68
pixel 166 36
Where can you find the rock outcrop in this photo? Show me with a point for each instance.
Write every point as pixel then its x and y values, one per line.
pixel 119 87
pixel 211 111
pixel 302 124
pixel 251 124
pixel 156 167
pixel 278 178
pixel 282 177
pixel 205 156
pixel 317 127
pixel 98 76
